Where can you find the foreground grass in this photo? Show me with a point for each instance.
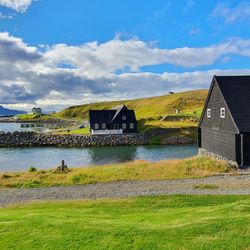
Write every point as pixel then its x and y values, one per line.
pixel 162 222
pixel 138 170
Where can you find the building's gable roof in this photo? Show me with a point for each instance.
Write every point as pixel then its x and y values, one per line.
pixel 108 116
pixel 236 92
pixel 118 110
pixel 102 116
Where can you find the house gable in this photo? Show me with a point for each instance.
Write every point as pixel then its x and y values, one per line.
pixel 236 92
pixel 214 103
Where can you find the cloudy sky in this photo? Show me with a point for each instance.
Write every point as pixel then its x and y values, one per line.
pixel 57 53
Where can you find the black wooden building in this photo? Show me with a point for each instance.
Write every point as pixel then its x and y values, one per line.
pixel 119 120
pixel 224 127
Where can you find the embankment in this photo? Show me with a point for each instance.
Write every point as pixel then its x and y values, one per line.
pixel 25 139
pixel 22 139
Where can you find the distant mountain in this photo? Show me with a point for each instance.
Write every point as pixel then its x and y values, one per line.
pixel 10 112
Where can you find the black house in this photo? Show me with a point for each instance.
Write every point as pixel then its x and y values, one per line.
pixel 224 127
pixel 119 120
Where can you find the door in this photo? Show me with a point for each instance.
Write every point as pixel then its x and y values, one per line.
pixel 246 151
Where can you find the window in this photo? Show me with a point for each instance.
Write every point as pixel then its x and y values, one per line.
pixel 208 113
pixel 124 118
pixel 103 125
pixel 222 113
pixel 116 126
pixel 132 125
pixel 96 126
pixel 124 126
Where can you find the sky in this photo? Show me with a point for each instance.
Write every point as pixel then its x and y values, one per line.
pixel 59 53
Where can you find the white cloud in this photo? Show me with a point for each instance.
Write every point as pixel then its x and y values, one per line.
pixel 232 14
pixel 134 54
pixel 63 75
pixel 18 5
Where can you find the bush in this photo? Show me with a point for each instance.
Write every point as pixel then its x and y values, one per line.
pixel 76 179
pixel 32 169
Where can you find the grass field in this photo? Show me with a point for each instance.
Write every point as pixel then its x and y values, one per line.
pixel 80 131
pixel 188 103
pixel 138 170
pixel 161 222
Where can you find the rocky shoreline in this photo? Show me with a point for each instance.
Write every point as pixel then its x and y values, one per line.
pixel 30 139
pixel 26 139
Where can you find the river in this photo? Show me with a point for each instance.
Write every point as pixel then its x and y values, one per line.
pixel 16 159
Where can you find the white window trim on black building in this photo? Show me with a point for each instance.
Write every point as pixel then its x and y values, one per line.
pixel 209 113
pixel 96 126
pixel 124 118
pixel 222 113
pixel 124 126
pixel 131 125
pixel 103 125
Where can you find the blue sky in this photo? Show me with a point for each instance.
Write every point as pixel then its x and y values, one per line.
pixel 56 53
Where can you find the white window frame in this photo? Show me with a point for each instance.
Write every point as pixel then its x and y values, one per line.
pixel 124 118
pixel 222 112
pixel 131 125
pixel 124 125
pixel 96 125
pixel 104 126
pixel 209 113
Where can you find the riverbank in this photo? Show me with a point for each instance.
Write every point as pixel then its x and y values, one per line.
pixel 139 170
pixel 173 136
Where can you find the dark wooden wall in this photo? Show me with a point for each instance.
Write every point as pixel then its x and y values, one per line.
pixel 219 142
pixel 215 122
pixel 216 134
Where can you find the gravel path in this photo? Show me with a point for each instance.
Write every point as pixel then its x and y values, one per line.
pixel 235 184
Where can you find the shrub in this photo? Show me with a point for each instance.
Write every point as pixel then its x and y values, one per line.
pixel 76 179
pixel 32 169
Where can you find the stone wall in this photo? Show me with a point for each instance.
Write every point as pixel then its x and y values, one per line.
pixel 22 139
pixel 205 152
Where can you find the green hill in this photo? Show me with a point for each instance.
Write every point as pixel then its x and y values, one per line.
pixel 154 108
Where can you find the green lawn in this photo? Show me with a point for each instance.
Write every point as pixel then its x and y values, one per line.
pixel 163 222
pixel 80 131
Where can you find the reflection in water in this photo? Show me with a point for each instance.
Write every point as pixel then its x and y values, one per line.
pixel 102 155
pixel 12 159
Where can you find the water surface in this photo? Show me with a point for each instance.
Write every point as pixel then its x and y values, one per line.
pixel 14 159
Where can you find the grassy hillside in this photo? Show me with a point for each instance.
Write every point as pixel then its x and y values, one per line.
pixel 189 103
pixel 162 222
